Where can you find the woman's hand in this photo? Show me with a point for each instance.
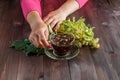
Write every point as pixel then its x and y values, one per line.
pixel 54 18
pixel 39 35
pixel 39 31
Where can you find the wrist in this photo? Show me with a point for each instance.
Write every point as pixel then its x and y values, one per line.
pixel 63 12
pixel 69 7
pixel 35 25
pixel 34 19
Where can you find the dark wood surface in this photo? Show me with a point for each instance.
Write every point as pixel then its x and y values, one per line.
pixel 100 64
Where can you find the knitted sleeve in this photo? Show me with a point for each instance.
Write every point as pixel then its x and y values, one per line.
pixel 30 5
pixel 81 2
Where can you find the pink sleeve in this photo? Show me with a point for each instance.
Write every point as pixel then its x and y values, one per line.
pixel 81 2
pixel 30 5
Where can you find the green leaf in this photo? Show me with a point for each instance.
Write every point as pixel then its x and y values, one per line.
pixel 32 50
pixel 27 47
pixel 18 45
pixel 27 42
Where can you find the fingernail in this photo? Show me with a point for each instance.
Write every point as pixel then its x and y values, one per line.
pixel 48 46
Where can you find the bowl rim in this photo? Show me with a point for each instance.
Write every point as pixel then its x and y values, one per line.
pixel 71 43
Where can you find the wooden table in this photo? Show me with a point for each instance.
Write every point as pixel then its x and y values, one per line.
pixel 100 64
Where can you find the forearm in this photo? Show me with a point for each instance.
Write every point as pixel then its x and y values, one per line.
pixel 34 19
pixel 69 7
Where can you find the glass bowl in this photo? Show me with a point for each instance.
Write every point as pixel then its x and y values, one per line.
pixel 62 43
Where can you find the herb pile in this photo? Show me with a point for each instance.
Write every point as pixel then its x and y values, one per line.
pixel 84 35
pixel 27 47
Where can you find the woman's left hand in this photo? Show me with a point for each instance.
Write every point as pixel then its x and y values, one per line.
pixel 54 19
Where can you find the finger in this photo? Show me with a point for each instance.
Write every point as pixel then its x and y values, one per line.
pixel 49 21
pixel 45 18
pixel 34 41
pixel 58 25
pixel 46 34
pixel 53 23
pixel 43 40
pixel 41 45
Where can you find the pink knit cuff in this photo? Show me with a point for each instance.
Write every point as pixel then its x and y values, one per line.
pixel 30 5
pixel 81 2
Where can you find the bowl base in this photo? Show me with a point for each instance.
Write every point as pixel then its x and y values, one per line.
pixel 71 54
pixel 58 54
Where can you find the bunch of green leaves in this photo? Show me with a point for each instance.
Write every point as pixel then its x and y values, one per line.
pixel 84 36
pixel 27 47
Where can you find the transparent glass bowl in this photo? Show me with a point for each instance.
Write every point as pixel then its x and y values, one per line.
pixel 62 43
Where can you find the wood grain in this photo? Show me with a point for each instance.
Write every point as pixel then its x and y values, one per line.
pixel 90 64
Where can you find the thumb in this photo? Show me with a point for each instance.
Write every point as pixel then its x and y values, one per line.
pixel 58 25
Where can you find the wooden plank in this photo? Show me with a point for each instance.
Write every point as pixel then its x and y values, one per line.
pixel 30 68
pixel 115 31
pixel 106 39
pixel 56 70
pixel 82 67
pixel 8 60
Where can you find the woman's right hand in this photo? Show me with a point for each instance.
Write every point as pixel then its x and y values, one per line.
pixel 39 35
pixel 39 31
